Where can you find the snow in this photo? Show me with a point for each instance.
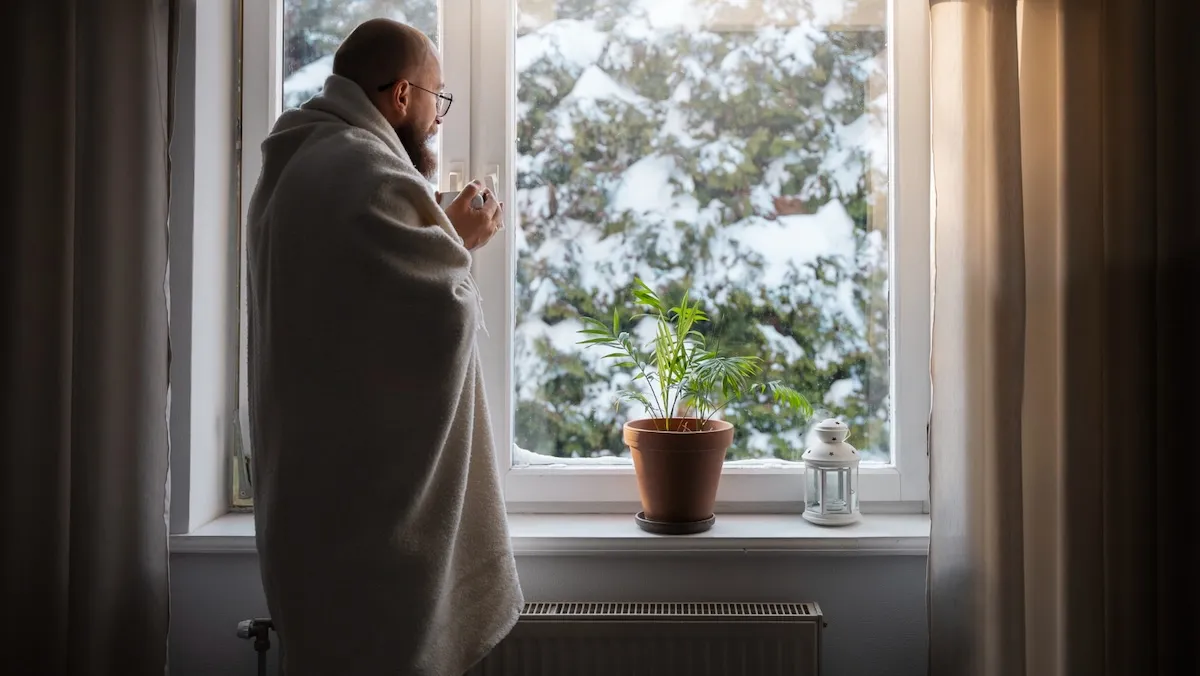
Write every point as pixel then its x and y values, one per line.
pixel 307 81
pixel 796 47
pixel 827 357
pixel 554 249
pixel 763 195
pixel 676 124
pixel 593 87
pixel 645 332
pixel 835 94
pixel 791 241
pixel 646 186
pixel 863 135
pixel 526 458
pixel 671 15
pixel 735 59
pixel 781 344
pixel 596 85
pixel 694 68
pixel 766 463
pixel 562 337
pixel 571 42
pixel 759 444
pixel 825 12
pixel 534 202
pixel 604 256
pixel 544 293
pixel 722 155
pixel 840 390
pixel 634 27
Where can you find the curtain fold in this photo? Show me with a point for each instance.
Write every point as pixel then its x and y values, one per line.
pixel 84 459
pixel 1064 341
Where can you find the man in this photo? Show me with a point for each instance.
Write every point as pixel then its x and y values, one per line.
pixel 381 528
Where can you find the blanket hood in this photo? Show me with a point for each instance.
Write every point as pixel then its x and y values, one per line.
pixel 341 101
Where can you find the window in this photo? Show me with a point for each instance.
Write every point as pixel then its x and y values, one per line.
pixel 313 29
pixel 770 154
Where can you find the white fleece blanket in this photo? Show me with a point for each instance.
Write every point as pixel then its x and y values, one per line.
pixel 381 529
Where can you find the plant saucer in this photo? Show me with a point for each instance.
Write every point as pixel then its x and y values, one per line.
pixel 673 527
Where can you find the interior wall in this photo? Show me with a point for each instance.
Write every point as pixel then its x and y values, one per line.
pixel 874 605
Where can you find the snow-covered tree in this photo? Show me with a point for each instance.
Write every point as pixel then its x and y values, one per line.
pixel 744 164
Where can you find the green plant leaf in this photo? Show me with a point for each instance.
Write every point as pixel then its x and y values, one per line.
pixel 634 395
pixel 789 397
pixel 681 370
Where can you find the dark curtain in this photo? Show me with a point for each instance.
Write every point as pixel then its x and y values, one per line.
pixel 83 421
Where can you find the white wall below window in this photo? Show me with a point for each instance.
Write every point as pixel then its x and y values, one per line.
pixel 874 605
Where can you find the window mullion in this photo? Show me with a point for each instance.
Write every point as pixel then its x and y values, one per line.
pixel 909 159
pixel 492 157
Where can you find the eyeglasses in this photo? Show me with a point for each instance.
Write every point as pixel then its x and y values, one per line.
pixel 444 100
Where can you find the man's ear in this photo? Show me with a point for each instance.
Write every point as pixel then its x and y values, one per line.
pixel 400 94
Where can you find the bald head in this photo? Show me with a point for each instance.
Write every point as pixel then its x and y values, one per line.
pixel 381 51
pixel 401 73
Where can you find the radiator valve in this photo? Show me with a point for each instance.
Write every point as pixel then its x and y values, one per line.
pixel 258 629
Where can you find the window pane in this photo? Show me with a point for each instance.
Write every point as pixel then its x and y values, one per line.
pixel 738 147
pixel 313 29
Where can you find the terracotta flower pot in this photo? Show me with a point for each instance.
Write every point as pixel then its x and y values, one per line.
pixel 678 469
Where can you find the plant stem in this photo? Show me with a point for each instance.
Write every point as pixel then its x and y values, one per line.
pixel 666 387
pixel 716 409
pixel 642 370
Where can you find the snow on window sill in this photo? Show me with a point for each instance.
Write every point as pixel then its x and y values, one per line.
pixel 602 534
pixel 525 459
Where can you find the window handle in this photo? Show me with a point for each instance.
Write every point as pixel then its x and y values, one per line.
pixel 455 176
pixel 492 179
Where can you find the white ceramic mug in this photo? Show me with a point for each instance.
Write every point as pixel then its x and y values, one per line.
pixel 449 196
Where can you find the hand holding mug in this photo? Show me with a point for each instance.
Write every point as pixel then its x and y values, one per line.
pixel 476 215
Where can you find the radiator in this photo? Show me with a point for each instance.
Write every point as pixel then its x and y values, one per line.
pixel 660 639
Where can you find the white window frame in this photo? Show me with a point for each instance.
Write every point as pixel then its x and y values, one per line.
pixel 478 47
pixel 203 264
pixel 901 486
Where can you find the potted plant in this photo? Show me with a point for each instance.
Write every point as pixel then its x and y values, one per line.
pixel 679 451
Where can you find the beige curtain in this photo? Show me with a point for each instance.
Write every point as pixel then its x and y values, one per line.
pixel 1064 431
pixel 83 342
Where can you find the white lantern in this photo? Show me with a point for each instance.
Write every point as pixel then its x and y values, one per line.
pixel 831 476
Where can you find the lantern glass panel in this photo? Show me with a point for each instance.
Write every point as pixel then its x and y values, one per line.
pixel 854 490
pixel 837 490
pixel 812 495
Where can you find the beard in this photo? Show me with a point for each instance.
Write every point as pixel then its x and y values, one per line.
pixel 419 146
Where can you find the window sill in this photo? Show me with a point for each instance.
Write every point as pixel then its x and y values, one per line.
pixel 592 534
